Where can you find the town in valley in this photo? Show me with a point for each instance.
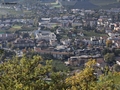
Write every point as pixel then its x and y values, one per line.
pixel 68 32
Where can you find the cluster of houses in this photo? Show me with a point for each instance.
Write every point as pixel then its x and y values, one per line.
pixel 76 48
pixel 6 24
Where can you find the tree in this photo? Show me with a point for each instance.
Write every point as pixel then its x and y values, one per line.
pixel 85 80
pixel 9 45
pixel 116 68
pixel 109 43
pixel 32 36
pixel 24 74
pixel 58 81
pixel 105 51
pixel 1 51
pixel 116 52
pixel 30 74
pixel 109 58
pixel 36 21
pixel 106 83
pixel 25 35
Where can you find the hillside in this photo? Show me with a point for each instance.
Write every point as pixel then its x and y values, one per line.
pixel 80 4
pixel 92 4
pixel 84 4
pixel 8 0
pixel 103 2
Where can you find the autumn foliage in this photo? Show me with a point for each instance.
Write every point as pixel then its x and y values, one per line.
pixel 30 74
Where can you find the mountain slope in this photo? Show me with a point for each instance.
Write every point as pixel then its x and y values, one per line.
pixel 84 5
pixel 8 0
pixel 93 4
pixel 103 2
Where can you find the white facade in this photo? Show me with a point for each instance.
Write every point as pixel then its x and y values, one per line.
pixel 45 35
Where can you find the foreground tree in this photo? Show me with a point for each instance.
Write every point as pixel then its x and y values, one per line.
pixel 109 82
pixel 85 80
pixel 109 58
pixel 24 74
pixel 109 43
pixel 88 80
pixel 31 74
pixel 116 68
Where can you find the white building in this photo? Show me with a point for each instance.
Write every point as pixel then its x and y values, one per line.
pixel 45 35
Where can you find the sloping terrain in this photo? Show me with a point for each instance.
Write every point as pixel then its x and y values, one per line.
pixel 68 3
pixel 84 5
pixel 93 4
pixel 115 5
pixel 103 2
pixel 8 0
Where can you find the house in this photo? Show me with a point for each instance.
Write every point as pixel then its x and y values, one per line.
pixel 80 34
pixel 53 42
pixel 65 41
pixel 23 43
pixel 59 31
pixel 75 10
pixel 80 60
pixel 45 35
pixel 45 19
pixel 94 40
pixel 55 54
pixel 60 47
pixel 117 43
pixel 42 43
pixel 118 60
pixel 100 62
pixel 19 53
pixel 7 37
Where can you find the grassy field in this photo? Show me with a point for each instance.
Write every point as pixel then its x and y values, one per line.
pixel 55 5
pixel 16 27
pixel 5 11
pixel 103 2
pixel 19 28
pixel 91 33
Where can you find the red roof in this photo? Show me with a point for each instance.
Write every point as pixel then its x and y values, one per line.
pixel 51 52
pixel 100 60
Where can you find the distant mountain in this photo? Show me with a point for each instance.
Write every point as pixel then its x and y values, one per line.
pixel 103 2
pixel 9 0
pixel 84 5
pixel 90 4
pixel 80 4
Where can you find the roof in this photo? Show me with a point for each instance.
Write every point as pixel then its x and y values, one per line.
pixel 100 60
pixel 45 19
pixel 51 52
pixel 117 58
pixel 43 32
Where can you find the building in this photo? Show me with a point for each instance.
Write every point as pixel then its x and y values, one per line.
pixel 80 60
pixel 7 37
pixel 55 54
pixel 23 43
pixel 45 35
